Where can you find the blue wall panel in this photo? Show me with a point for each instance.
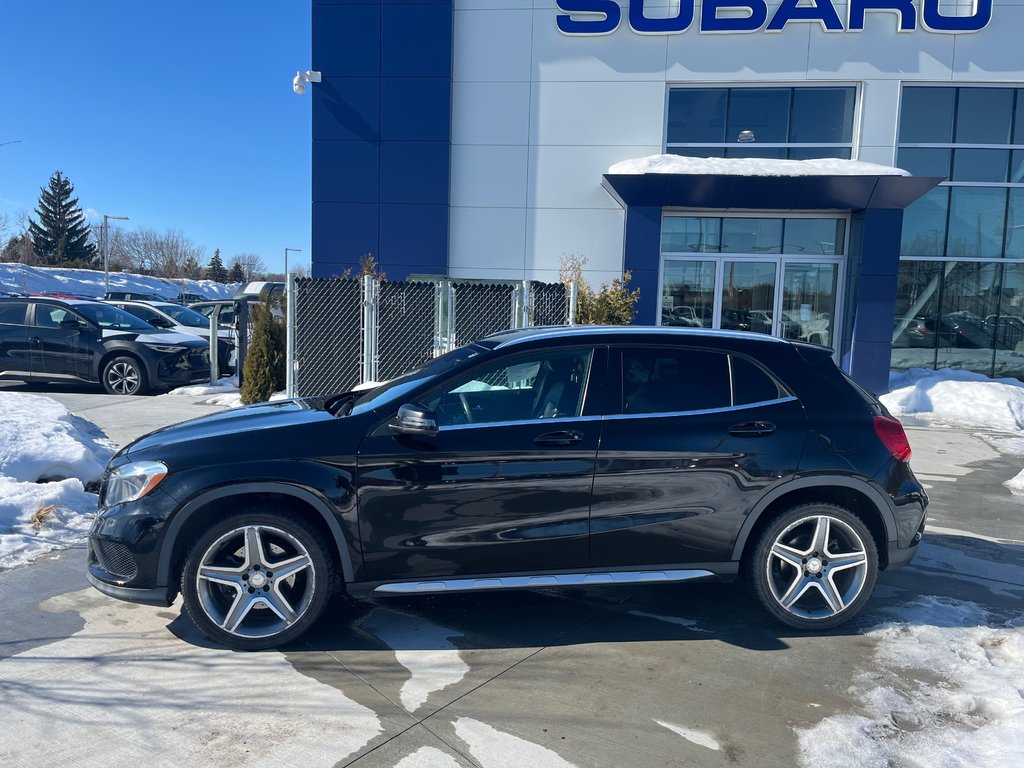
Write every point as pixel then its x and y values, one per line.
pixel 381 133
pixel 342 233
pixel 643 258
pixel 350 109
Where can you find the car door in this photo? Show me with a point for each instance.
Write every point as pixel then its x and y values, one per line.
pixel 15 360
pixel 505 484
pixel 60 351
pixel 698 437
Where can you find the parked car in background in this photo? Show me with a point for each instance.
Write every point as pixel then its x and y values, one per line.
pixel 532 458
pixel 261 290
pixel 64 295
pixel 132 296
pixel 175 317
pixel 45 339
pixel 188 298
pixel 224 309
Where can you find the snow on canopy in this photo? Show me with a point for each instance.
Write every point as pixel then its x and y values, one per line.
pixel 750 166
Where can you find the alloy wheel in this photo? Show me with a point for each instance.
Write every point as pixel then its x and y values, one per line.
pixel 123 378
pixel 817 567
pixel 255 581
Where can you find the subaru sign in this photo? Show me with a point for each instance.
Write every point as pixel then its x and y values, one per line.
pixel 602 17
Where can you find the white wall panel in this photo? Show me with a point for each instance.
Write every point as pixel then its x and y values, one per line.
pixel 491 113
pixel 756 56
pixel 570 177
pixel 489 177
pixel 578 114
pixel 488 238
pixel 554 233
pixel 492 45
pixel 622 55
pixel 879 51
pixel 994 53
pixel 880 101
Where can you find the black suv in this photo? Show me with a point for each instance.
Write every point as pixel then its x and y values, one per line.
pixel 44 339
pixel 534 458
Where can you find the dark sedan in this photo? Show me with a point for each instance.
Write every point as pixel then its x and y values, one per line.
pixel 534 458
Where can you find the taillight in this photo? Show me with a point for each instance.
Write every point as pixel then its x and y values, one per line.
pixel 891 433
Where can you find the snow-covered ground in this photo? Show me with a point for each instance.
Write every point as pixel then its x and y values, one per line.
pixel 750 166
pixel 945 690
pixel 47 457
pixel 963 399
pixel 18 278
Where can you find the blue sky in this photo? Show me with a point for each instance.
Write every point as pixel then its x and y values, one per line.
pixel 179 115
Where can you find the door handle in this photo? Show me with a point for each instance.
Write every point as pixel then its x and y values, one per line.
pixel 561 437
pixel 752 429
pixel 35 340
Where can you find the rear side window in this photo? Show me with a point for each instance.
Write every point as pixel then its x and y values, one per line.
pixel 751 383
pixel 13 313
pixel 666 380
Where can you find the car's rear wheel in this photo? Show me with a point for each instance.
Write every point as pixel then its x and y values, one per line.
pixel 124 376
pixel 815 566
pixel 257 580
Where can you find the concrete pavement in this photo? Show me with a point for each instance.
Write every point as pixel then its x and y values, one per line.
pixel 618 677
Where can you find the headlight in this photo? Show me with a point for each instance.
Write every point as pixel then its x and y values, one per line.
pixel 133 481
pixel 166 348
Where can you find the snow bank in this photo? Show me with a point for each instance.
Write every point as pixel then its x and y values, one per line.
pixel 957 397
pixel 46 457
pixel 749 166
pixel 18 278
pixel 40 440
pixel 946 690
pixel 223 386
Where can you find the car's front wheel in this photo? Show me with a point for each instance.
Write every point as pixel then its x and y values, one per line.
pixel 815 566
pixel 257 580
pixel 124 376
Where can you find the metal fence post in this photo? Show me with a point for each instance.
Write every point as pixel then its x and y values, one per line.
pixel 289 354
pixel 449 331
pixel 242 330
pixel 574 297
pixel 214 349
pixel 526 320
pixel 366 373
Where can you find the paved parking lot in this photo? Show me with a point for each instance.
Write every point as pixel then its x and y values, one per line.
pixel 628 676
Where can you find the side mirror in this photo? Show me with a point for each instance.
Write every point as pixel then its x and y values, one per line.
pixel 70 324
pixel 414 420
pixel 161 322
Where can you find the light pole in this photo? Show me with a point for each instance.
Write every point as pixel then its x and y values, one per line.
pixel 293 250
pixel 106 250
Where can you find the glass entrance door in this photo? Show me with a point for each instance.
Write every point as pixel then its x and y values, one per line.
pixel 760 273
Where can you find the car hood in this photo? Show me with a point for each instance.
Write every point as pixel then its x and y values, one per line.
pixel 248 420
pixel 150 337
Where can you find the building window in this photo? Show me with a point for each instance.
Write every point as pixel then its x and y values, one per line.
pixel 794 123
pixel 974 138
pixel 960 303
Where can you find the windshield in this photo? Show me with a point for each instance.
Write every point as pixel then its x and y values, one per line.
pixel 185 316
pixel 107 316
pixel 396 389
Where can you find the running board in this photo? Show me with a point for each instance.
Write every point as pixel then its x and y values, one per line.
pixel 534 582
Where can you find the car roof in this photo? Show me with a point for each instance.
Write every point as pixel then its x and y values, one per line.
pixel 621 333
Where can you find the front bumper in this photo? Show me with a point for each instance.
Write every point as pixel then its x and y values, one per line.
pixel 153 596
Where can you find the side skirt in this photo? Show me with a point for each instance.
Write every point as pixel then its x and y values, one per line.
pixel 721 571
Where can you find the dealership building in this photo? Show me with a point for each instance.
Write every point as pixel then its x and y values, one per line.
pixel 736 158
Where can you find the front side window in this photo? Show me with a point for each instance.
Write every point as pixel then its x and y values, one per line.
pixel 771 122
pixel 542 385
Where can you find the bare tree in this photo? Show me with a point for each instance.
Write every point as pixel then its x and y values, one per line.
pixel 170 254
pixel 253 267
pixel 5 223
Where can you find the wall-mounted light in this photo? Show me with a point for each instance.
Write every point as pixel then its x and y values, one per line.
pixel 745 136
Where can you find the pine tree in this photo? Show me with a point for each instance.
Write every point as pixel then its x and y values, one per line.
pixel 191 267
pixel 61 236
pixel 264 371
pixel 215 270
pixel 237 274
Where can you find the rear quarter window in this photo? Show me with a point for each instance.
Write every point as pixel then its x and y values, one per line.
pixel 13 313
pixel 752 384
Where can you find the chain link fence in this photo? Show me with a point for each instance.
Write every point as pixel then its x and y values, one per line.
pixel 328 337
pixel 350 331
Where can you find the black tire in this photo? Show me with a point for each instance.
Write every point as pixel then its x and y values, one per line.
pixel 124 375
pixel 805 585
pixel 274 611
